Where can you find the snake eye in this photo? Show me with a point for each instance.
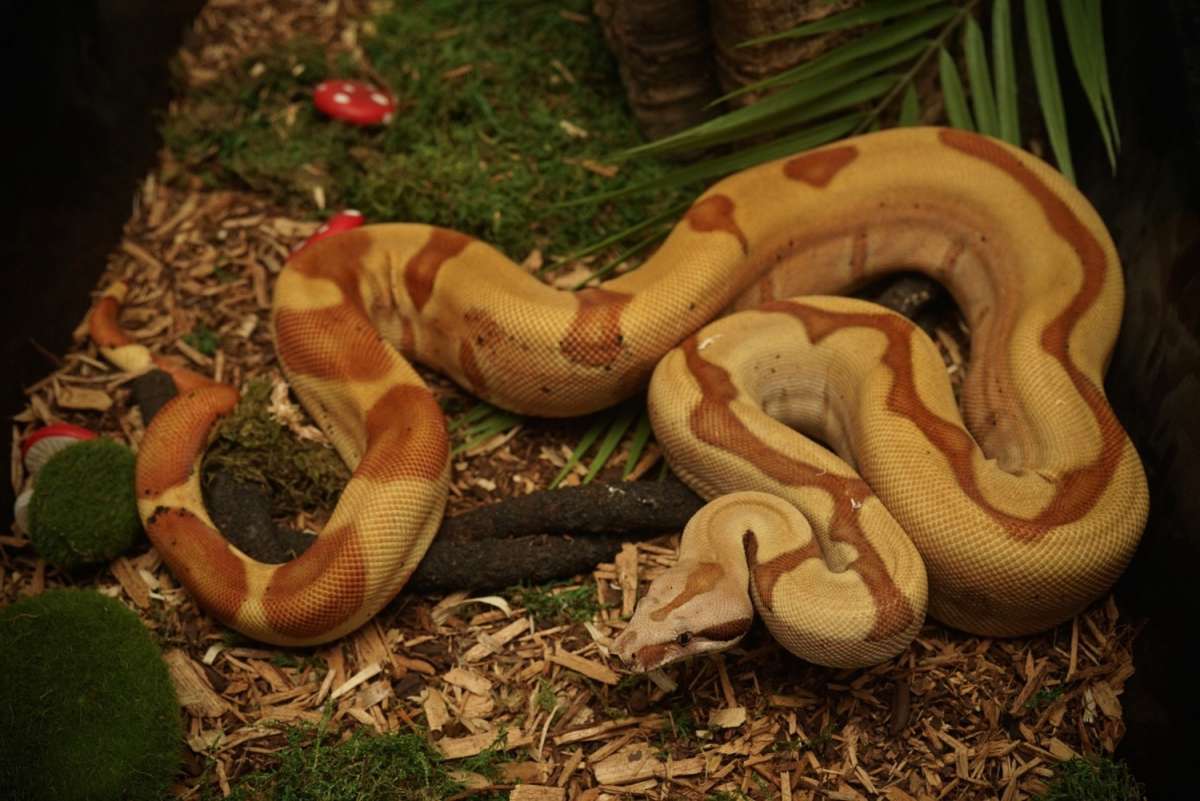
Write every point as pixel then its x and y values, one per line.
pixel 684 638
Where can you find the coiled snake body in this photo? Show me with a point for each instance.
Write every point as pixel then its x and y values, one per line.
pixel 1017 525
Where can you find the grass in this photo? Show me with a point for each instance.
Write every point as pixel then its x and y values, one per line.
pixel 393 767
pixel 1093 780
pixel 505 111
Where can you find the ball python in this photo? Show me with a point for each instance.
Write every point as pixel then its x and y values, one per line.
pixel 1008 529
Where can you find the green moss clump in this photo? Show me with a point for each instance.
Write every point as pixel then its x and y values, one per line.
pixel 87 708
pixel 1093 780
pixel 299 475
pixel 83 509
pixel 556 604
pixel 399 767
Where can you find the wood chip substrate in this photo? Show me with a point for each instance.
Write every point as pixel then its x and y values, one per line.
pixel 954 717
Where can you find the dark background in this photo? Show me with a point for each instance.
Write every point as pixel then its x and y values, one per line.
pixel 86 80
pixel 1152 207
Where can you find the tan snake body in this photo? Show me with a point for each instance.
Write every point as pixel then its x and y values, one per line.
pixel 1016 534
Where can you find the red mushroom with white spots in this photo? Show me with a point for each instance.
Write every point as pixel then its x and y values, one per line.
pixel 36 450
pixel 39 446
pixel 355 102
pixel 342 221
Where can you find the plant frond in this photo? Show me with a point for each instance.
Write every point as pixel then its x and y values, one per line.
pixel 621 421
pixel 581 448
pixel 740 160
pixel 1045 73
pixel 910 108
pixel 1084 23
pixel 794 104
pixel 876 41
pixel 870 13
pixel 1005 68
pixel 661 230
pixel 980 78
pixel 952 90
pixel 485 422
pixel 669 215
pixel 638 441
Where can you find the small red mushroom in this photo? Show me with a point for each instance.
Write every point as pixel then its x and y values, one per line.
pixel 355 102
pixel 342 221
pixel 38 447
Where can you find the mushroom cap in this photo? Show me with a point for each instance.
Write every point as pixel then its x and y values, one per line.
pixel 354 102
pixel 341 221
pixel 39 446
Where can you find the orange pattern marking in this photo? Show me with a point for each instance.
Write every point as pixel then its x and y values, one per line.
pixel 1082 487
pixel 715 213
pixel 471 368
pixel 1073 497
pixel 699 581
pixel 338 260
pixel 201 559
pixel 406 437
pixel 651 654
pixel 421 270
pixel 184 422
pixel 337 343
pixel 767 574
pixel 322 587
pixel 723 632
pixel 819 168
pixel 714 422
pixel 594 337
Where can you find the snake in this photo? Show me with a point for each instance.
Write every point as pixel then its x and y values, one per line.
pixel 850 493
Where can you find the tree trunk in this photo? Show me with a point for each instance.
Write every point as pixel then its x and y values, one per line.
pixel 664 53
pixel 676 56
pixel 736 21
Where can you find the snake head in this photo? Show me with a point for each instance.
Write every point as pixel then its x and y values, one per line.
pixel 692 608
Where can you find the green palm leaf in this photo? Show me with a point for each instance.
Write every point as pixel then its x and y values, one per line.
pixel 740 160
pixel 581 448
pixel 489 423
pixel 982 99
pixel 873 12
pixel 792 105
pixel 637 443
pixel 621 421
pixel 1083 21
pixel 910 107
pixel 952 89
pixel 876 41
pixel 1045 74
pixel 1004 65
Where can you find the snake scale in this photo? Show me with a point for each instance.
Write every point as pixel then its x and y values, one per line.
pixel 1004 519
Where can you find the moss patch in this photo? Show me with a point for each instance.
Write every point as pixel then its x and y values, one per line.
pixel 506 109
pixel 556 605
pixel 1093 780
pixel 399 767
pixel 300 475
pixel 83 509
pixel 87 709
